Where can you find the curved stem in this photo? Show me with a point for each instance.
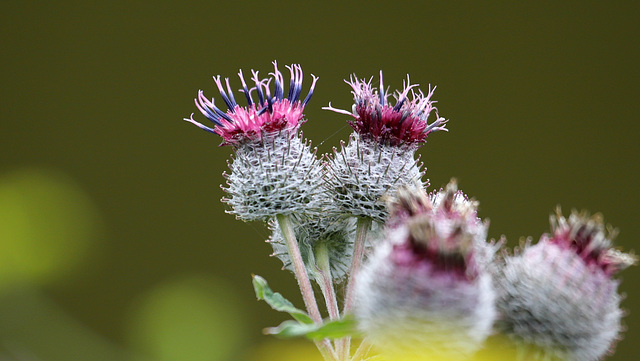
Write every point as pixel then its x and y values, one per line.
pixel 326 350
pixel 298 268
pixel 324 346
pixel 361 351
pixel 363 227
pixel 325 280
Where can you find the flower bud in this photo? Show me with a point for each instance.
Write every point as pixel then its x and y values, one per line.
pixel 422 293
pixel 557 298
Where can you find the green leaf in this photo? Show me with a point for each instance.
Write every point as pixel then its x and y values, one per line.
pixel 331 329
pixel 277 301
pixel 336 329
pixel 290 328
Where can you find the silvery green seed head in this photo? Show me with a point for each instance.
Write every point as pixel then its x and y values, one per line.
pixel 364 171
pixel 557 298
pixel 335 233
pixel 279 174
pixel 422 293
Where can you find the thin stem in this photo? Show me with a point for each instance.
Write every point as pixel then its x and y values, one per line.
pixel 303 282
pixel 362 351
pixel 362 229
pixel 325 280
pixel 326 350
pixel 298 268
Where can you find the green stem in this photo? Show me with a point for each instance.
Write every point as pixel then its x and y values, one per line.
pixel 362 351
pixel 325 280
pixel 300 272
pixel 298 268
pixel 362 229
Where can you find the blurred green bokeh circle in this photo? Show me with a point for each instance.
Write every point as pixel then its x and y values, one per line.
pixel 47 225
pixel 192 318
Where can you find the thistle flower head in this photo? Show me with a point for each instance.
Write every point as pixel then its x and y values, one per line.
pixel 422 292
pixel 274 170
pixel 269 113
pixel 557 297
pixel 405 122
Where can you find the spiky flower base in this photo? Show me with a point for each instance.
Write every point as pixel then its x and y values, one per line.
pixel 279 174
pixel 363 171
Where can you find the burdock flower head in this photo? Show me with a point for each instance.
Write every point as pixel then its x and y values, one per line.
pixel 274 171
pixel 558 298
pixel 380 154
pixel 423 292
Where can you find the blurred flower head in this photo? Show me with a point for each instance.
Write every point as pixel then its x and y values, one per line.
pixel 422 292
pixel 557 298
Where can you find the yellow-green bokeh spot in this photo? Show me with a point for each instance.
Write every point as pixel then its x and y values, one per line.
pixel 47 224
pixel 188 319
pixel 284 350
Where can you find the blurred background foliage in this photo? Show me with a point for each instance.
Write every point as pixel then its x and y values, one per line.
pixel 113 242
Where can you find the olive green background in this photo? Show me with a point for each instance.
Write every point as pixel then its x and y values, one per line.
pixel 542 99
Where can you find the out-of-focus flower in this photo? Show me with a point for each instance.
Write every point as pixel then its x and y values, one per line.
pixel 274 170
pixel 380 155
pixel 557 298
pixel 423 292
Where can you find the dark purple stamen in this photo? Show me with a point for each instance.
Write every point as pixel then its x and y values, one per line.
pixel 223 115
pixel 291 83
pixel 245 90
pixel 399 104
pixel 207 108
pixel 226 99
pixel 258 87
pixel 233 100
pixel 279 90
pixel 297 84
pixel 313 86
pixel 212 116
pixel 382 99
pixel 269 99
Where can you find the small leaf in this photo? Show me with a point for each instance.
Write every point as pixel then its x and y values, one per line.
pixel 277 301
pixel 335 329
pixel 290 328
pixel 331 329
